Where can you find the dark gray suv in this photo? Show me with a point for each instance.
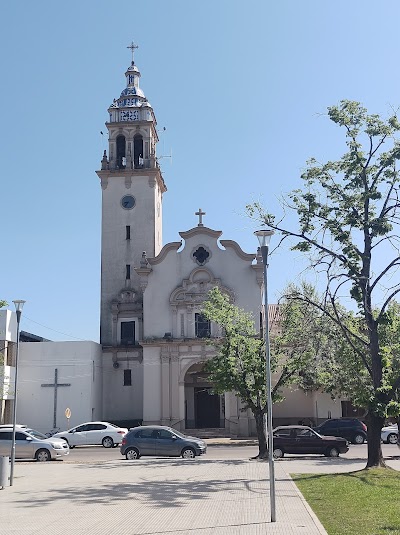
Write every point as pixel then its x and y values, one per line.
pixel 161 441
pixel 351 429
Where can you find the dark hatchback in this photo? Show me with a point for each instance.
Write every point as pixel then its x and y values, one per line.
pixel 351 429
pixel 304 440
pixel 162 441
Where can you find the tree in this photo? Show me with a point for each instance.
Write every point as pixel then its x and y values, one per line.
pixel 297 337
pixel 348 219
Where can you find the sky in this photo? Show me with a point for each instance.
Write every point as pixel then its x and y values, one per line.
pixel 242 89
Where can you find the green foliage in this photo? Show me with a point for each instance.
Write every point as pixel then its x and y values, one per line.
pixel 348 221
pixel 239 365
pixel 299 336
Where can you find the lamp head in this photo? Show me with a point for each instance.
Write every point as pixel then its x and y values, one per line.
pixel 19 305
pixel 264 236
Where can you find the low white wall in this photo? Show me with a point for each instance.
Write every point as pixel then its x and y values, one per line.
pixel 78 363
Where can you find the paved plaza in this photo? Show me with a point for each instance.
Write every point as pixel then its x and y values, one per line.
pixel 152 496
pixel 96 491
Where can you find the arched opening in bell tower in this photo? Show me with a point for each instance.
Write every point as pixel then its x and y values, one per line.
pixel 138 151
pixel 121 156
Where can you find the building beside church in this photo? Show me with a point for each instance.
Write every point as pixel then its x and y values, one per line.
pixel 148 366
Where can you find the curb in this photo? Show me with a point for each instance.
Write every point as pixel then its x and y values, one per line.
pixel 314 517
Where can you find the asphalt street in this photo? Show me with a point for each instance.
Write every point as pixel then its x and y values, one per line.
pixel 354 459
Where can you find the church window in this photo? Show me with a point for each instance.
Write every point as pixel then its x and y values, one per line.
pixel 138 151
pixel 127 332
pixel 121 156
pixel 128 232
pixel 182 325
pixel 127 377
pixel 128 271
pixel 201 255
pixel 202 326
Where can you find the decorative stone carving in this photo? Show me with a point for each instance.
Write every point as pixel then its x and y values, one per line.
pixel 104 182
pixel 193 290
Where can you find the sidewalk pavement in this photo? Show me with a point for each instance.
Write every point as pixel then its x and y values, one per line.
pixel 152 496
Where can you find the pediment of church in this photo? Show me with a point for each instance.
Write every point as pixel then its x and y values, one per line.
pixel 195 289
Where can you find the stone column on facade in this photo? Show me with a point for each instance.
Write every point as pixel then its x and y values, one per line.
pixel 174 385
pixel 165 387
pixel 140 335
pixel 129 162
pixel 175 327
pixel 112 151
pixel 231 414
pixel 182 415
pixel 190 330
pixel 114 316
pixel 243 420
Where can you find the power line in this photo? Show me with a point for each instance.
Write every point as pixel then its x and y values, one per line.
pixel 54 330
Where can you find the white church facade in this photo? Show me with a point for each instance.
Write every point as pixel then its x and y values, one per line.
pixel 148 366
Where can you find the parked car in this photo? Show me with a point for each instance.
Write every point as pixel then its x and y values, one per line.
pixel 93 433
pixel 351 429
pixel 303 439
pixel 31 445
pixel 10 425
pixel 389 434
pixel 161 441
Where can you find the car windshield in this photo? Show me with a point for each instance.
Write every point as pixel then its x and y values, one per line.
pixel 177 433
pixel 36 434
pixel 318 435
pixel 308 433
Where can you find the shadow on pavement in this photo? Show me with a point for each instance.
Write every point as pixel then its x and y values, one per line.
pixel 155 462
pixel 149 493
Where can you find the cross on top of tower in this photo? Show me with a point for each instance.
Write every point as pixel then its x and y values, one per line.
pixel 200 213
pixel 132 47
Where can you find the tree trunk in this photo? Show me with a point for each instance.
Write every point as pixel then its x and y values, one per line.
pixel 262 441
pixel 375 457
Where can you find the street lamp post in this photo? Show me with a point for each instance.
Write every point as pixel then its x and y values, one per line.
pixel 264 237
pixel 19 304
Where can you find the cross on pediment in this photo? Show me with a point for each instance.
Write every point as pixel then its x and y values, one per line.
pixel 55 385
pixel 200 213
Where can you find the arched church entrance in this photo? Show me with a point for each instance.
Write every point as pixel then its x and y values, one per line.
pixel 203 408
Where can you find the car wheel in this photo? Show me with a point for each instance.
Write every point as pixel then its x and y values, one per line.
pixel 358 439
pixel 107 442
pixel 392 438
pixel 278 453
pixel 70 447
pixel 188 453
pixel 132 454
pixel 42 455
pixel 332 452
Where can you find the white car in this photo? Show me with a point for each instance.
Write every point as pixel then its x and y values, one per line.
pixel 389 434
pixel 93 433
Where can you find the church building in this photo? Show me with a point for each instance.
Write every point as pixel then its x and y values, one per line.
pixel 153 335
pixel 154 341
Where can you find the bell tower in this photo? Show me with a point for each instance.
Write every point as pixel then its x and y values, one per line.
pixel 132 189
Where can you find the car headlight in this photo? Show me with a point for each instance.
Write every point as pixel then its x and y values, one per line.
pixel 57 446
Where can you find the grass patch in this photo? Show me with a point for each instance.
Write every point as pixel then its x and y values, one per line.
pixel 365 502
